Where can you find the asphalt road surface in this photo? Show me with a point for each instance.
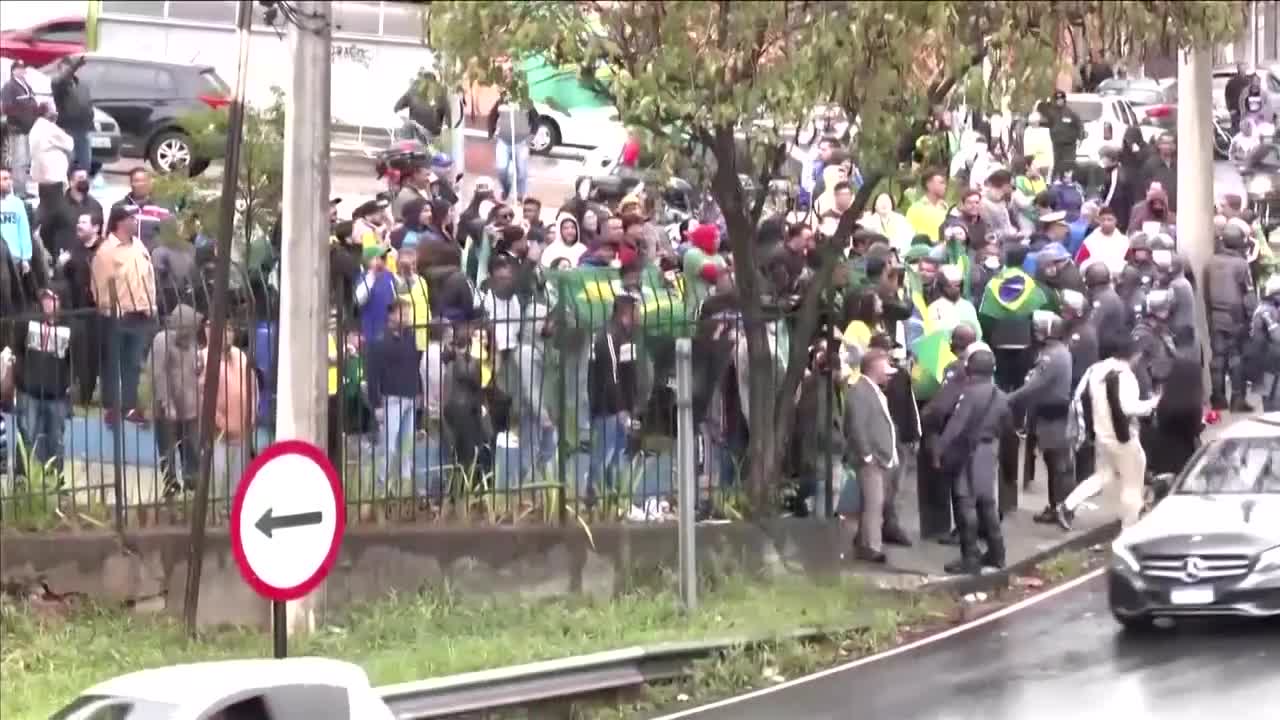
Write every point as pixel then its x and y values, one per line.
pixel 1062 658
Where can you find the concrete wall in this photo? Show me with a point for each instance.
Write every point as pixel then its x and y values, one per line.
pixel 149 569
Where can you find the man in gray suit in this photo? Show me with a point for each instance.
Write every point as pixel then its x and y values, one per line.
pixel 1046 397
pixel 872 446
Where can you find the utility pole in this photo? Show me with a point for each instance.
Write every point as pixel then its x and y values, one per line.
pixel 1195 168
pixel 304 272
pixel 218 321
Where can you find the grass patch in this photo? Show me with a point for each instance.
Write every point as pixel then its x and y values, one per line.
pixel 47 660
pixel 1066 566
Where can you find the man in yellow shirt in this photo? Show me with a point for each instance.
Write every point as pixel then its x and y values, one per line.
pixel 927 214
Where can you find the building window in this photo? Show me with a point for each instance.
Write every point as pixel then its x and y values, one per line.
pixel 402 20
pixel 144 9
pixel 359 18
pixel 220 12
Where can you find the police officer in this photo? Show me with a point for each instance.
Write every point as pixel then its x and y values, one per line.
pixel 1065 133
pixel 1046 398
pixel 1132 293
pixel 1107 313
pixel 980 419
pixel 1056 271
pixel 1155 344
pixel 1229 295
pixel 937 502
pixel 1140 249
pixel 1182 320
pixel 1082 341
pixel 1264 343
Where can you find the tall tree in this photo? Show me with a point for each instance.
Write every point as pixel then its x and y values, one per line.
pixel 722 74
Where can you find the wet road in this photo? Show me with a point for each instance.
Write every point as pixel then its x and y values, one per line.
pixel 1061 659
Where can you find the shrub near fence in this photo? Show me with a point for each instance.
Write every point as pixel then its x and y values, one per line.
pixel 499 431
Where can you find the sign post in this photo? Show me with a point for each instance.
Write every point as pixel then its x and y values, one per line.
pixel 287 521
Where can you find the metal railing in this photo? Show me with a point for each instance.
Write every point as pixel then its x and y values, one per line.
pixel 503 421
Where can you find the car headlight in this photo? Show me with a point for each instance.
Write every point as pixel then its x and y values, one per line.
pixel 1269 560
pixel 1260 185
pixel 1122 557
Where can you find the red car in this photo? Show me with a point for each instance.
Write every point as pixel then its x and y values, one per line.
pixel 42 44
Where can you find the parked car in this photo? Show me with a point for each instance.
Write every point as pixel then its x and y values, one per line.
pixel 149 99
pixel 584 128
pixel 289 688
pixel 1154 102
pixel 105 140
pixel 1105 120
pixel 1211 546
pixel 1260 173
pixel 42 44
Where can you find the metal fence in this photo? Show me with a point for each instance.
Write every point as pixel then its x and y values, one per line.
pixel 508 416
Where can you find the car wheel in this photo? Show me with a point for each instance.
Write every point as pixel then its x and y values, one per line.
pixel 546 135
pixel 170 150
pixel 1135 623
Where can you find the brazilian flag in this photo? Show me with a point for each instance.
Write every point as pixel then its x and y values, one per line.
pixel 932 355
pixel 588 294
pixel 1012 294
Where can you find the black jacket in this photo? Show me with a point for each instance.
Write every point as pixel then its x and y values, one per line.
pixel 74 103
pixel 611 376
pixel 44 359
pixel 20 108
pixel 393 367
pixel 61 231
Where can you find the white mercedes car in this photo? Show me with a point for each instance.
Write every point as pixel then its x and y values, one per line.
pixel 1211 546
pixel 290 689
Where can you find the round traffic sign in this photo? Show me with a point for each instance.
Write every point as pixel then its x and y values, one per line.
pixel 287 520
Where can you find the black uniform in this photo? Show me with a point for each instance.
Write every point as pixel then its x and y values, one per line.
pixel 933 487
pixel 1065 133
pixel 1046 399
pixel 1229 296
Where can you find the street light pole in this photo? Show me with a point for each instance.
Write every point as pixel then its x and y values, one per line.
pixel 1195 168
pixel 304 270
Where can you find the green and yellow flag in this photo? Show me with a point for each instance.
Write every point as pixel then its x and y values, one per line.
pixel 1012 294
pixel 932 355
pixel 588 294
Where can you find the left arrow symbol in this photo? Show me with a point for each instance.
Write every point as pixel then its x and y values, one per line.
pixel 269 523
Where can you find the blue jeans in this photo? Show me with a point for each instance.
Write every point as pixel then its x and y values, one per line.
pixel 82 154
pixel 393 440
pixel 127 339
pixel 608 448
pixel 42 423
pixel 18 149
pixel 502 158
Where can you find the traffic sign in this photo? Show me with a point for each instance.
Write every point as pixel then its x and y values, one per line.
pixel 287 520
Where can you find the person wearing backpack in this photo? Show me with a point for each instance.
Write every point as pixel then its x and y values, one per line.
pixel 1109 395
pixel 1263 350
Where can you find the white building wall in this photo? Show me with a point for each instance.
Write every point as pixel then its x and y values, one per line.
pixel 369 74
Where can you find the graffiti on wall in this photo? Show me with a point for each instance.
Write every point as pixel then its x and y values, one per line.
pixel 352 53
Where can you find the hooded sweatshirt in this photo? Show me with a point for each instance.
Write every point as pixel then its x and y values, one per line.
pixel 175 366
pixel 560 250
pixel 409 233
pixel 15 227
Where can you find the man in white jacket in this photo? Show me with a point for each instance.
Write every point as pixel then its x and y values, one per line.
pixel 1113 409
pixel 51 149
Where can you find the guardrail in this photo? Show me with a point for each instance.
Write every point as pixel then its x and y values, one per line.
pixel 558 681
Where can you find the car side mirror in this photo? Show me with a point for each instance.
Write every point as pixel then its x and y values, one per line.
pixel 1162 485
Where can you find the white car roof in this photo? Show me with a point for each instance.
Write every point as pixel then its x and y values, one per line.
pixel 201 684
pixel 1258 426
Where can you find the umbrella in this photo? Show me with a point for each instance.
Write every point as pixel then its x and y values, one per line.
pixel 932 357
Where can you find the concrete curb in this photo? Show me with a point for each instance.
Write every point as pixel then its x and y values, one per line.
pixel 965 584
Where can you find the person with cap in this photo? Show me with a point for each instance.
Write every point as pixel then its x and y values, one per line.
pixel 42 378
pixel 612 378
pixel 1182 317
pixel 124 283
pixel 1052 229
pixel 1045 399
pixel 151 214
pixel 369 227
pixel 1140 260
pixel 175 374
pixel 1066 131
pixel 952 308
pixel 21 110
pixel 333 212
pixel 1230 300
pixel 935 489
pixel 1056 272
pixel 967 452
pixel 1262 355
pixel 1110 401
pixel 375 293
pixel 871 441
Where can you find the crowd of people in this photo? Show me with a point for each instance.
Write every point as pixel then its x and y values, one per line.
pixel 1006 299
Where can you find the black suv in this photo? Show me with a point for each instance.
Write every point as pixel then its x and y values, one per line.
pixel 149 99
